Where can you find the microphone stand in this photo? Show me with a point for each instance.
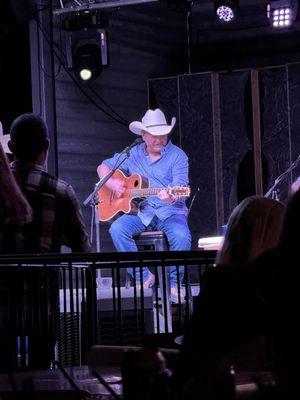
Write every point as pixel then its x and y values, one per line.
pixel 272 192
pixel 93 200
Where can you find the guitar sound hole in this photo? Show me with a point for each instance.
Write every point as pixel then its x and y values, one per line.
pixel 136 183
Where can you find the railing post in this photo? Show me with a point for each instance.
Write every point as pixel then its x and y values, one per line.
pixel 91 307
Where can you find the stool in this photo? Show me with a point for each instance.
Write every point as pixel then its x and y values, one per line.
pixel 157 241
pixel 152 240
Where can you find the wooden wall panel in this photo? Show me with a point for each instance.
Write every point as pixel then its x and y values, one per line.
pixel 275 127
pixel 235 142
pixel 293 71
pixel 256 132
pixel 218 158
pixel 188 97
pixel 163 93
pixel 196 125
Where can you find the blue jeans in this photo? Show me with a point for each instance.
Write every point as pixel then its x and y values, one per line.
pixel 125 228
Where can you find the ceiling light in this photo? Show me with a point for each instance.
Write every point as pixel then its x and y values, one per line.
pixel 87 53
pixel 226 9
pixel 282 13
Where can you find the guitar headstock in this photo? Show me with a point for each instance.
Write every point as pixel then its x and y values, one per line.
pixel 181 191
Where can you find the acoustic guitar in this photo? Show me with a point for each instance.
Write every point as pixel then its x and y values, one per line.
pixel 110 207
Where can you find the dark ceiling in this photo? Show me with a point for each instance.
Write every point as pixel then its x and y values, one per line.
pixel 248 41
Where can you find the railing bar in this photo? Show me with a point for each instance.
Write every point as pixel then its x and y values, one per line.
pixel 71 300
pixel 136 314
pixel 114 305
pixel 29 304
pixel 64 313
pixel 84 321
pixel 179 295
pixel 54 299
pixel 187 295
pixel 119 301
pixel 164 298
pixel 142 303
pixel 22 310
pixel 48 305
pixel 111 258
pixel 79 311
pixel 156 300
pixel 95 305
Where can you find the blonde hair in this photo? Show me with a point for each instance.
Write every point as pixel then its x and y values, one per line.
pixel 253 227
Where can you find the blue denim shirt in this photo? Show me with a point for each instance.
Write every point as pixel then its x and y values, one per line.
pixel 169 170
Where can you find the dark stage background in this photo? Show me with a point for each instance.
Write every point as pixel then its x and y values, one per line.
pixel 237 112
pixel 144 41
pixel 197 133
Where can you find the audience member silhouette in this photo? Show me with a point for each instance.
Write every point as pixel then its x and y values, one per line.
pixel 14 208
pixel 237 306
pixel 57 218
pixel 14 211
pixel 253 227
pixel 56 221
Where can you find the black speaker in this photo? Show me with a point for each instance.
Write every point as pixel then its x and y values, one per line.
pixel 128 325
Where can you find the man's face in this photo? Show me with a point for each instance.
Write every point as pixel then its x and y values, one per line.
pixel 154 144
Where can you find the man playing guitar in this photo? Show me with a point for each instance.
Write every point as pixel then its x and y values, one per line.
pixel 164 165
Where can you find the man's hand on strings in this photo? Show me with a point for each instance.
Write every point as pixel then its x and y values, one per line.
pixel 118 187
pixel 167 196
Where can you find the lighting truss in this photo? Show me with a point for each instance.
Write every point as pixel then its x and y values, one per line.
pixel 83 5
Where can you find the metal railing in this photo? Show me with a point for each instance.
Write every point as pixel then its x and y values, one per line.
pixel 55 307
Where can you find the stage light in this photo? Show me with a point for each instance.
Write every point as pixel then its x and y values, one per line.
pixel 87 53
pixel 86 44
pixel 282 13
pixel 87 59
pixel 85 74
pixel 226 9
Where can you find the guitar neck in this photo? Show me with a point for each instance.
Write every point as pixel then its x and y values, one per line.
pixel 177 190
pixel 144 192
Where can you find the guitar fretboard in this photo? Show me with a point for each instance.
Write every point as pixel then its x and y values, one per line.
pixel 144 192
pixel 179 191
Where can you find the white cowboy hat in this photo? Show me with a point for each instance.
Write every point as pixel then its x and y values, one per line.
pixel 4 139
pixel 154 122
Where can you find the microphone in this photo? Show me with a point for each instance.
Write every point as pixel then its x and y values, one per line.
pixel 137 141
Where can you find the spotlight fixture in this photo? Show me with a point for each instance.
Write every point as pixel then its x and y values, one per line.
pixel 87 53
pixel 282 13
pixel 226 9
pixel 86 45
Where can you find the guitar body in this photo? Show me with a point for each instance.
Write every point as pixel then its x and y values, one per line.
pixel 109 206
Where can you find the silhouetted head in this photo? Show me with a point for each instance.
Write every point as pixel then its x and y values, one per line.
pixel 253 227
pixel 29 139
